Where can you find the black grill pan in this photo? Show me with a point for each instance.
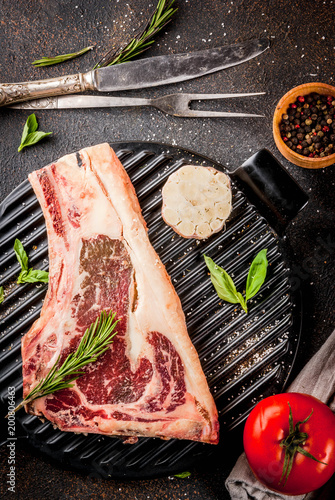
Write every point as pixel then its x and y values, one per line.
pixel 244 357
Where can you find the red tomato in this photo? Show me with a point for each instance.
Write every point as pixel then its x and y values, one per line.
pixel 266 428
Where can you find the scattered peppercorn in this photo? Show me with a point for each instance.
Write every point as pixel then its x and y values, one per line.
pixel 308 125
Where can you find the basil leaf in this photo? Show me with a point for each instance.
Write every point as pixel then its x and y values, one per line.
pixel 32 123
pixel 22 276
pixel 225 287
pixel 257 274
pixel 33 138
pixel 2 295
pixel 182 475
pixel 243 302
pixel 222 282
pixel 33 276
pixel 30 135
pixel 21 255
pixel 30 126
pixel 28 275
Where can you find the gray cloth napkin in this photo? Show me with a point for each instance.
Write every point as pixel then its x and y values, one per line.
pixel 317 379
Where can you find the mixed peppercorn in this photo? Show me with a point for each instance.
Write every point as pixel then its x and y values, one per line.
pixel 308 126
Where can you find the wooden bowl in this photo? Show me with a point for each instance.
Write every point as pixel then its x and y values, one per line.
pixel 282 106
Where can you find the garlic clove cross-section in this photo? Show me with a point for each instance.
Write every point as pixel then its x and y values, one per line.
pixel 196 201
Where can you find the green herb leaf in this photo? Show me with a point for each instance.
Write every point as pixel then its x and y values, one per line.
pixel 94 343
pixel 21 254
pixel 28 275
pixel 142 41
pixel 49 61
pixel 33 276
pixel 33 139
pixel 222 282
pixel 2 295
pixel 30 126
pixel 22 276
pixel 243 302
pixel 29 134
pixel 225 287
pixel 257 274
pixel 182 475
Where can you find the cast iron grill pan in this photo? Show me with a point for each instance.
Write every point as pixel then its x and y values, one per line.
pixel 245 358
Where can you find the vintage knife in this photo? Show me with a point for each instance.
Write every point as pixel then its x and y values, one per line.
pixel 139 74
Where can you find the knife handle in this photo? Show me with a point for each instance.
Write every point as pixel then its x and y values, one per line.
pixel 16 92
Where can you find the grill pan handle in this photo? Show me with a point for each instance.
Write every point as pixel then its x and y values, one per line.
pixel 270 187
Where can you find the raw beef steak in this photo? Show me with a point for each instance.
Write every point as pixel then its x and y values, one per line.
pixel 150 381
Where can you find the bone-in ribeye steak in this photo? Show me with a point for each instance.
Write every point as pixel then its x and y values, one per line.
pixel 150 381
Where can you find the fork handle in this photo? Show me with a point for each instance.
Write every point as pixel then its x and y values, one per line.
pixel 82 101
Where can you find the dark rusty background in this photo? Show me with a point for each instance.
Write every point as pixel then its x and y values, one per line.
pixel 302 50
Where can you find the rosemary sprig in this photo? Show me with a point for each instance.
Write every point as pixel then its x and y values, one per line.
pixel 142 41
pixel 49 61
pixel 94 343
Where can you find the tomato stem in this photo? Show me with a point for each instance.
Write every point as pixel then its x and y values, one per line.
pixel 292 445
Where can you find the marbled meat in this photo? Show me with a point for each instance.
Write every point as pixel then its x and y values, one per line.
pixel 150 381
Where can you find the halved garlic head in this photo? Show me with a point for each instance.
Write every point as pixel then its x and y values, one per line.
pixel 196 201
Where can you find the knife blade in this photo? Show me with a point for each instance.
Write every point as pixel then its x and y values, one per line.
pixel 162 70
pixel 150 72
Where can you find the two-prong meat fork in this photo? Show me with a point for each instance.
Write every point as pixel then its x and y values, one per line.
pixel 173 104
